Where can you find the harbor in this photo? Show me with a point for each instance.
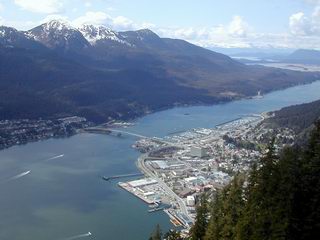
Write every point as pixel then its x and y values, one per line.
pixel 204 162
pixel 74 198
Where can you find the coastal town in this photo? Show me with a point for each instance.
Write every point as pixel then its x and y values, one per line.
pixel 22 131
pixel 179 168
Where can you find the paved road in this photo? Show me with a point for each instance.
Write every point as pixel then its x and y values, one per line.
pixel 141 165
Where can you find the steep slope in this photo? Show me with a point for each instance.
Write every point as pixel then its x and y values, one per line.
pixel 51 86
pixel 58 35
pixel 297 117
pixel 55 70
pixel 101 34
pixel 11 37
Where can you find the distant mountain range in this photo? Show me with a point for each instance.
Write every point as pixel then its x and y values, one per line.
pixel 299 56
pixel 304 56
pixel 56 70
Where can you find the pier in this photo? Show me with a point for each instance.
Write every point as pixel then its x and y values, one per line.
pixel 108 178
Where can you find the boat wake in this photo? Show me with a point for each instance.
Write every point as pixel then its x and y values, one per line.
pixel 19 175
pixel 88 234
pixel 55 157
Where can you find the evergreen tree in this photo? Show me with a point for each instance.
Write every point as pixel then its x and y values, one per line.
pixel 214 226
pixel 279 200
pixel 199 228
pixel 306 208
pixel 173 235
pixel 157 233
pixel 226 210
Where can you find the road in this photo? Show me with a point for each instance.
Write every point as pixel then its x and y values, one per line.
pixel 141 165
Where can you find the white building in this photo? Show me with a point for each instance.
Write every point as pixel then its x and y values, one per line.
pixel 191 201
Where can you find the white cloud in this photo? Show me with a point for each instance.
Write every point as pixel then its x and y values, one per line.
pixel 42 6
pixel 54 17
pixel 316 15
pixel 302 25
pixel 95 18
pixel 123 23
pixel 299 24
pixel 235 34
pixel 238 27
pixel 102 18
pixel 303 31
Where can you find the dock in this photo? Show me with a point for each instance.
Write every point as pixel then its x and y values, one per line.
pixel 126 187
pixel 108 178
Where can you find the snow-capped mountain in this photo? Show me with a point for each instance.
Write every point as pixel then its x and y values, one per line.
pixel 58 35
pixel 95 34
pixel 55 70
pixel 62 36
pixel 11 37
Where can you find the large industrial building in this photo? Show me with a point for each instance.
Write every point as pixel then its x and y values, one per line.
pixel 198 152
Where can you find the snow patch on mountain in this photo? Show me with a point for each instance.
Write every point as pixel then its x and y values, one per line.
pixel 58 33
pixel 94 34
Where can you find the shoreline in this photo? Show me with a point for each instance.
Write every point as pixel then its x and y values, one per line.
pixel 131 121
pixel 109 155
pixel 178 212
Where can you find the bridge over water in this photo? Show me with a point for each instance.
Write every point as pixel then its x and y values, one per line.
pixel 104 130
pixel 110 130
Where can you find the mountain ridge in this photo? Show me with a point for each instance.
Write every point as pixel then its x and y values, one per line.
pixel 305 56
pixel 61 73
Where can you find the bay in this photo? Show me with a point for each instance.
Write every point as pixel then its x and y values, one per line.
pixel 64 196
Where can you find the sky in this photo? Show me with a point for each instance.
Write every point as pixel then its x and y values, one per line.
pixel 208 23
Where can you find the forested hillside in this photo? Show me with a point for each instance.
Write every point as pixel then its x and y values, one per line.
pixel 298 117
pixel 56 70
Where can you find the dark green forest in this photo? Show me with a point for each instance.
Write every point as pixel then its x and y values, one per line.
pixel 297 117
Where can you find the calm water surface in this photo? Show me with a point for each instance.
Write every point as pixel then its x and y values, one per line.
pixel 65 197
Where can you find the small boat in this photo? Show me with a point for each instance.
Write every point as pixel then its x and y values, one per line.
pixel 105 178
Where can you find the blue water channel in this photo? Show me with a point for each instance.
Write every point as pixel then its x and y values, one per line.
pixel 65 197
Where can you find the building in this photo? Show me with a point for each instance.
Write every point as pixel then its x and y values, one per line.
pixel 191 201
pixel 198 152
